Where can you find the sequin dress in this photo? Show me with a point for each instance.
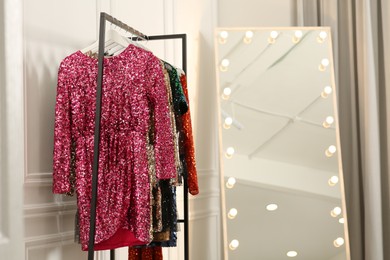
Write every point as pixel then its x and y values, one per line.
pixel 147 253
pixel 133 87
pixel 189 147
pixel 164 194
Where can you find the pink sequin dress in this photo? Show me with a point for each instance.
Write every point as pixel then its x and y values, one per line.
pixel 134 92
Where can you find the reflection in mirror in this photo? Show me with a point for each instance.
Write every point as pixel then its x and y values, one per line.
pixel 279 145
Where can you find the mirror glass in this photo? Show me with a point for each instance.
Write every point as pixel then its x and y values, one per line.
pixel 279 145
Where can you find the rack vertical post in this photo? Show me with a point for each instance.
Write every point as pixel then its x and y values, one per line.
pixel 95 166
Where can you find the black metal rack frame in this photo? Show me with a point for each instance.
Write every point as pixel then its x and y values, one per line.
pixel 95 167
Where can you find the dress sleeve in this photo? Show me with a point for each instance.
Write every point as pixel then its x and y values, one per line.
pixel 189 144
pixel 62 133
pixel 163 138
pixel 180 104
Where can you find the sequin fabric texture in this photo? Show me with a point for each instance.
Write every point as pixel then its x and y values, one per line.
pixel 148 253
pixel 167 237
pixel 165 192
pixel 133 87
pixel 192 175
pixel 180 103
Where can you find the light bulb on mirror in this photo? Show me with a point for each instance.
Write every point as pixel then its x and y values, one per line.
pixel 326 92
pixel 224 65
pixel 328 122
pixel 226 93
pixel 248 37
pixel 324 64
pixel 297 36
pixel 234 244
pixel 341 220
pixel 229 152
pixel 330 151
pixel 231 182
pixel 274 34
pixel 322 36
pixel 272 37
pixel 292 253
pixel 338 242
pixel 335 212
pixel 228 122
pixel 232 213
pixel 223 35
pixel 333 180
pixel 272 207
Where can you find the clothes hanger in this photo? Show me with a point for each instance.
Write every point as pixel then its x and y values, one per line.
pixel 112 39
pixel 130 41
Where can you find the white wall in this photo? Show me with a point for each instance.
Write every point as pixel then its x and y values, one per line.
pixel 256 13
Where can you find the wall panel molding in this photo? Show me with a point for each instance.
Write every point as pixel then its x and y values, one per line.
pixel 169 17
pixel 203 214
pixel 41 210
pixel 213 234
pixel 102 6
pixel 206 171
pixel 44 178
pixel 3 185
pixel 203 196
pixel 207 175
pixel 38 183
pixel 170 46
pixel 47 241
pixel 12 130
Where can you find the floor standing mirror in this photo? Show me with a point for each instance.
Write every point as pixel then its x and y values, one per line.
pixel 280 157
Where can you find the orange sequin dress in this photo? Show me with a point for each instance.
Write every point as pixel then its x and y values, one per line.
pixel 193 187
pixel 146 253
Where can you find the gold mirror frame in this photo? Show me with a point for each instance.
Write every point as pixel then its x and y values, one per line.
pixel 289 40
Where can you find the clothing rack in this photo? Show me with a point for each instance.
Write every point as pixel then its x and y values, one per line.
pixel 95 167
